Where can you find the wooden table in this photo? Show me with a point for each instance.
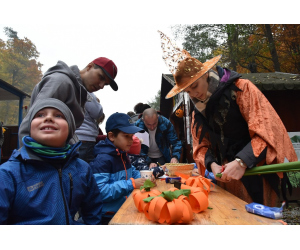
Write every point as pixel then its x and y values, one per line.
pixel 226 209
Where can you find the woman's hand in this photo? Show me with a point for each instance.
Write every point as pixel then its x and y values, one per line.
pixel 233 170
pixel 218 169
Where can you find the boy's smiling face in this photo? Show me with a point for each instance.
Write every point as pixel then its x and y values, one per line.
pixel 122 141
pixel 50 128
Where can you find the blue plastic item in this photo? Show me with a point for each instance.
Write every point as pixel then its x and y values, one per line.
pixel 210 175
pixel 270 212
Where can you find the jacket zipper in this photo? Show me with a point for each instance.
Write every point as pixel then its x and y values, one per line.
pixel 71 189
pixel 61 188
pixel 124 167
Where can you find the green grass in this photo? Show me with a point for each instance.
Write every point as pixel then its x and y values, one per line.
pixel 294 178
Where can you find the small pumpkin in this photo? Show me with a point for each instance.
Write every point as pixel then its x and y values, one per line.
pixel 169 207
pixel 144 192
pixel 197 181
pixel 175 206
pixel 198 198
pixel 179 113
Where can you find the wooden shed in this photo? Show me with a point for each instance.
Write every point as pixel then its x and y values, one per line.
pixel 7 93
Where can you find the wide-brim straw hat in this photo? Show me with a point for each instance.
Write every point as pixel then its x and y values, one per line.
pixel 188 71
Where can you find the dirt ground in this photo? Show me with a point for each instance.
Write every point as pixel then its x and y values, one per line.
pixel 291 215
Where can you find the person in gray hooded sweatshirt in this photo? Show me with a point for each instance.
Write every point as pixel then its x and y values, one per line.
pixel 44 182
pixel 89 129
pixel 71 86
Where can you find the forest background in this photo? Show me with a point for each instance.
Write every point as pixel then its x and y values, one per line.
pixel 245 48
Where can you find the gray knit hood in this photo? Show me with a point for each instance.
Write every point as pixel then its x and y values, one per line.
pixel 52 103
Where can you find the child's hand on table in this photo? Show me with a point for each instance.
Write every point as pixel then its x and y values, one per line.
pixel 139 182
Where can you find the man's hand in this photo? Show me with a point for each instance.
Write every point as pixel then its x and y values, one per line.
pixel 174 160
pixel 139 182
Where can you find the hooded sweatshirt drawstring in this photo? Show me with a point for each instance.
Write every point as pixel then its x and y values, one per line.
pixel 122 161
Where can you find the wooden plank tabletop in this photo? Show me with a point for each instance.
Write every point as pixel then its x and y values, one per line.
pixel 226 209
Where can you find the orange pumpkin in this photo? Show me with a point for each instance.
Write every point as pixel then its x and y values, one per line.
pixel 198 198
pixel 179 210
pixel 176 211
pixel 143 194
pixel 179 113
pixel 197 181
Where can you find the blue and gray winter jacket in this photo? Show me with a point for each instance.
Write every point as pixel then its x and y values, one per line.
pixel 112 170
pixel 165 137
pixel 33 191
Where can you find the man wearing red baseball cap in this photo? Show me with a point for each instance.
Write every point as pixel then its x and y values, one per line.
pixel 71 86
pixel 101 68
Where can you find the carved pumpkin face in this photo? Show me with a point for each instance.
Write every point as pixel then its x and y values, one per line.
pixel 179 113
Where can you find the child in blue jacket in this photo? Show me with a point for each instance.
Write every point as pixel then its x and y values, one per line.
pixel 44 182
pixel 114 174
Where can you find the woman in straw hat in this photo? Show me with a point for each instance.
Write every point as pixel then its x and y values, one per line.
pixel 232 125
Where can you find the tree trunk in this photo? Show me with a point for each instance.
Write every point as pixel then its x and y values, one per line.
pixel 272 48
pixel 252 67
pixel 293 32
pixel 232 42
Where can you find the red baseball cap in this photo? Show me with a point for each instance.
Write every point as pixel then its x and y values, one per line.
pixel 109 68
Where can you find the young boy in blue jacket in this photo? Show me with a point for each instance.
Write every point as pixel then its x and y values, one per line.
pixel 44 182
pixel 114 174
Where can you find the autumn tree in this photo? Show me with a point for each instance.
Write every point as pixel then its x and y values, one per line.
pixel 272 48
pixel 258 51
pixel 205 41
pixel 279 47
pixel 288 46
pixel 201 40
pixel 155 103
pixel 19 67
pixel 245 47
